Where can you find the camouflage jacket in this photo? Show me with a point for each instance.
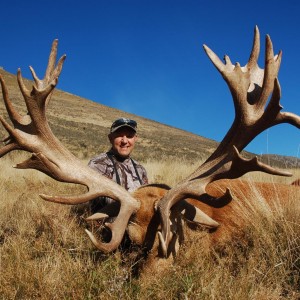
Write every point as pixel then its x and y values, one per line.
pixel 128 173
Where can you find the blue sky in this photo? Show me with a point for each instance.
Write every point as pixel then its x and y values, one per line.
pixel 146 57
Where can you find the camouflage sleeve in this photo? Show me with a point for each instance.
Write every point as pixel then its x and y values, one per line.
pixel 103 165
pixel 143 174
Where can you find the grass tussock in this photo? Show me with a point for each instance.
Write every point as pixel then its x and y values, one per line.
pixel 45 254
pixel 169 171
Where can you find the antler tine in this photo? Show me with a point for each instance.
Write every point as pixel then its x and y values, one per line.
pixel 117 234
pixel 252 62
pixel 51 61
pixel 52 70
pixel 16 119
pixel 272 66
pixel 216 60
pixel 32 133
pixel 250 87
pixel 37 98
pixel 288 117
pixel 51 75
pixel 14 116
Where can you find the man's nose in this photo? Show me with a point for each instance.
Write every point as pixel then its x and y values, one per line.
pixel 124 139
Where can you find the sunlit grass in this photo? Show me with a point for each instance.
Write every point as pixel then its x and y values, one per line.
pixel 45 253
pixel 173 171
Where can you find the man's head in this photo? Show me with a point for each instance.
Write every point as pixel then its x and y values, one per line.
pixel 123 136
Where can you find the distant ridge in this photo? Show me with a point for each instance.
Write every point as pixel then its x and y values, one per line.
pixel 82 125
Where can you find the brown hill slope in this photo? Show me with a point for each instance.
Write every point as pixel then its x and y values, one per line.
pixel 82 125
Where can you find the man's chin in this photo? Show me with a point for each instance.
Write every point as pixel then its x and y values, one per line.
pixel 124 154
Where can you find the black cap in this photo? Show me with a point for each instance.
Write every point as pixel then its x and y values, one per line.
pixel 123 122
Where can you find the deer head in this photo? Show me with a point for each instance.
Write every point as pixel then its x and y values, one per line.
pixel 153 211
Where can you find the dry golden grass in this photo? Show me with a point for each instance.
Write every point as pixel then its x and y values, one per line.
pixel 171 171
pixel 45 253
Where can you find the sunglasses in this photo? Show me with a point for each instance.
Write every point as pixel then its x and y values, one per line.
pixel 124 121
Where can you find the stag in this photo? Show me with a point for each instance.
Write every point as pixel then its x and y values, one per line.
pixel 153 215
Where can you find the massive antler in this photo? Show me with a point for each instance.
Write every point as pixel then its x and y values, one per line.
pixel 32 133
pixel 251 88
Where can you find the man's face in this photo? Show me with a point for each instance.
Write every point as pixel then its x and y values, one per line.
pixel 123 141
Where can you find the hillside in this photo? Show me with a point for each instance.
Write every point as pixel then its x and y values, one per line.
pixel 82 125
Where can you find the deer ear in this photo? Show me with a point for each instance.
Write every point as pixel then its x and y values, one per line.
pixel 197 216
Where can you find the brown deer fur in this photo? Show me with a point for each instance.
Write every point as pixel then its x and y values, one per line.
pixel 233 217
